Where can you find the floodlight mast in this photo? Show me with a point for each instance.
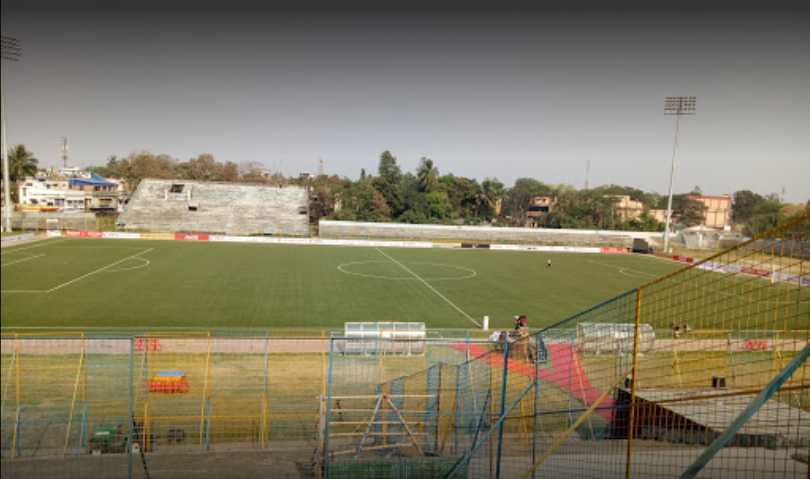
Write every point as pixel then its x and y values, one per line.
pixel 11 51
pixel 678 106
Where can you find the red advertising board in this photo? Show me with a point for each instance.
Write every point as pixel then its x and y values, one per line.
pixel 191 237
pixel 613 250
pixel 83 234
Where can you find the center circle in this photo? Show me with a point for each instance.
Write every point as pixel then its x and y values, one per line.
pixel 387 270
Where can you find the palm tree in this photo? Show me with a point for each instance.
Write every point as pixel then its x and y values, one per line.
pixel 21 163
pixel 427 174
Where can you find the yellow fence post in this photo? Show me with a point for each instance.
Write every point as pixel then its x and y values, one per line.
pixel 145 428
pixel 73 399
pixel 17 395
pixel 633 381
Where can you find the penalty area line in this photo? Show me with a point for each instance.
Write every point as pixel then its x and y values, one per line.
pixel 10 249
pixel 68 283
pixel 79 278
pixel 452 304
pixel 27 258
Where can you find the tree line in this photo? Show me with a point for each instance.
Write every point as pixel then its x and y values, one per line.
pixel 427 196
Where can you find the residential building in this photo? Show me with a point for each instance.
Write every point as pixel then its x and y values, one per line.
pixel 41 194
pixel 627 208
pixel 539 206
pixel 101 194
pixel 658 215
pixel 89 193
pixel 718 210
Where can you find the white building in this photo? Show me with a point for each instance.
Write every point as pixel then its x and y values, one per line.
pixel 78 193
pixel 50 195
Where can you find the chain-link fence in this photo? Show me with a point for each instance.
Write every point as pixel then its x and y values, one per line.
pixel 701 372
pixel 157 406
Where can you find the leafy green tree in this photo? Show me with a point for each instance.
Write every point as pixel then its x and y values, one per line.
pixel 516 200
pixel 464 195
pixel 362 202
pixel 103 170
pixel 427 174
pixel 493 191
pixel 691 212
pixel 229 171
pixel 765 215
pixel 745 201
pixel 388 182
pixel 439 207
pixel 388 167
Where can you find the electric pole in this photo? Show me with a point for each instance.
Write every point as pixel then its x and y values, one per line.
pixel 11 51
pixel 678 106
pixel 64 152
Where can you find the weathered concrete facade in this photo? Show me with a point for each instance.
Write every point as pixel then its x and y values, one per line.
pixel 229 208
pixel 541 236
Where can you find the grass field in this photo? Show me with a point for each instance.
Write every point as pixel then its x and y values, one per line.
pixel 138 285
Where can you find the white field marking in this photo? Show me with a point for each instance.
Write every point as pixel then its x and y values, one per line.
pixel 46 242
pixel 469 273
pixel 79 278
pixel 452 304
pixel 724 293
pixel 27 258
pixel 68 283
pixel 65 246
pixel 624 270
pixel 143 264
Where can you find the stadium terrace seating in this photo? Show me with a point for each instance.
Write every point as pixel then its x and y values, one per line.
pixel 227 208
pixel 485 234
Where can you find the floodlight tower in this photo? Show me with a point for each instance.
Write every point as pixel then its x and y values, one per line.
pixel 11 51
pixel 678 106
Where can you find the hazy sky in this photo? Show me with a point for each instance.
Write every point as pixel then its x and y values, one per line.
pixel 484 94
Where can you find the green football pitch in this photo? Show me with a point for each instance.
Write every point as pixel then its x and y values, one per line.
pixel 149 285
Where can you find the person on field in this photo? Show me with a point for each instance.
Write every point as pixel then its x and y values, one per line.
pixel 548 263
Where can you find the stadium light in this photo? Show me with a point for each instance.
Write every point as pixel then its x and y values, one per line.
pixel 11 51
pixel 677 106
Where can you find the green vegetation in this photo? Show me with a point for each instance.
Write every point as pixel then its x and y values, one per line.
pixel 158 284
pixel 428 196
pixel 21 163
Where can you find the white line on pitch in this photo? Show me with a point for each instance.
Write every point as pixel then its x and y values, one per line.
pixel 623 270
pixel 27 258
pixel 45 242
pixel 96 271
pixel 430 288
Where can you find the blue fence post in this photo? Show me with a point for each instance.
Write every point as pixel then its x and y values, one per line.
pixel 431 405
pixel 504 381
pixel 17 431
pixel 84 426
pixel 207 424
pixel 746 414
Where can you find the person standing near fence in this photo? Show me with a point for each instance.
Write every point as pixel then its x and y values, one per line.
pixel 522 338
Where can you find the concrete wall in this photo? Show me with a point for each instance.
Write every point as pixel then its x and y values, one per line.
pixel 53 220
pixel 542 236
pixel 228 208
